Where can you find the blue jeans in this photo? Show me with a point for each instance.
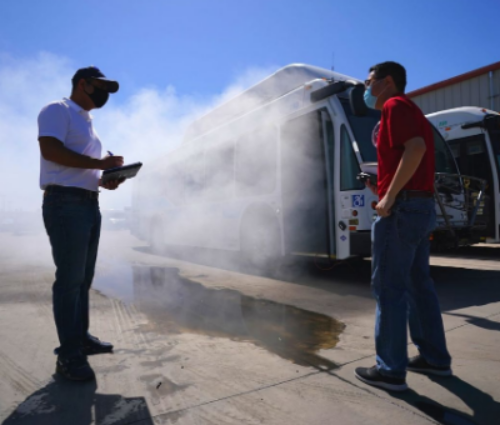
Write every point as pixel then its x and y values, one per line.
pixel 73 224
pixel 403 288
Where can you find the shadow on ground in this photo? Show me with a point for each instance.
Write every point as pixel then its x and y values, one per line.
pixel 479 252
pixel 484 323
pixel 485 410
pixel 63 402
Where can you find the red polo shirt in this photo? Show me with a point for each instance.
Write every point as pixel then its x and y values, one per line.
pixel 401 121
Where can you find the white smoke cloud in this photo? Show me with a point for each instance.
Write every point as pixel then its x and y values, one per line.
pixel 240 160
pixel 25 86
pixel 143 127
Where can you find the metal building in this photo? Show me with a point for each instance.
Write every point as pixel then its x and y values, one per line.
pixel 480 87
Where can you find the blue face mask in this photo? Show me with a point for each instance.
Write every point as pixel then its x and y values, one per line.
pixel 370 99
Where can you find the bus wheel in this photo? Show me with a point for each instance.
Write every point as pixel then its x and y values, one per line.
pixel 260 246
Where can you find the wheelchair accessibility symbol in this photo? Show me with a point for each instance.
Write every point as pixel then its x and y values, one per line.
pixel 358 201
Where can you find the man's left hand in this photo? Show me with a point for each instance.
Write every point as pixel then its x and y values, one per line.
pixel 112 184
pixel 385 204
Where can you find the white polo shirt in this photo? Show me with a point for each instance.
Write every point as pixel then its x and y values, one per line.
pixel 72 125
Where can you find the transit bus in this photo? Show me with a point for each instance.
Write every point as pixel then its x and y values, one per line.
pixel 273 173
pixel 473 135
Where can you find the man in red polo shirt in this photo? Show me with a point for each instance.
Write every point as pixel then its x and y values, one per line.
pixel 401 280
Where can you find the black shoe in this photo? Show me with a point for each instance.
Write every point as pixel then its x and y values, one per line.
pixel 372 376
pixel 75 369
pixel 419 364
pixel 93 345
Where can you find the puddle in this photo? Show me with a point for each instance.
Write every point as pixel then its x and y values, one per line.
pixel 178 305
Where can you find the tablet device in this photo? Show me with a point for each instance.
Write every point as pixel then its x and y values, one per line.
pixel 118 173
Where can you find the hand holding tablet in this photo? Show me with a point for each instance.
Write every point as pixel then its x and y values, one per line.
pixel 121 173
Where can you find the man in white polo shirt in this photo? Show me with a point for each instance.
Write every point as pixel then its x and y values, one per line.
pixel 70 167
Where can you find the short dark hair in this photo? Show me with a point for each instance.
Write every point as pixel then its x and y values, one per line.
pixel 395 70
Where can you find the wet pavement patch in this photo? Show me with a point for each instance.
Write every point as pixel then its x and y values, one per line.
pixel 178 305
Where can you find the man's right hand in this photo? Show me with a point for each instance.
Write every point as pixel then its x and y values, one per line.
pixel 54 150
pixel 111 162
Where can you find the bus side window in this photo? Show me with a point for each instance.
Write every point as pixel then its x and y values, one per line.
pixel 219 172
pixel 256 163
pixel 349 167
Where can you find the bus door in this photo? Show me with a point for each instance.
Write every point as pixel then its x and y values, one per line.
pixel 471 154
pixel 307 188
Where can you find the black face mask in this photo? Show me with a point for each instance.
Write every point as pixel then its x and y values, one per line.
pixel 98 96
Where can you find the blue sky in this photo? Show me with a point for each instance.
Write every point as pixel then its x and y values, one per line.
pixel 200 45
pixel 175 59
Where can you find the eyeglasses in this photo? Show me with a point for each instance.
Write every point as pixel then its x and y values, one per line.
pixel 368 83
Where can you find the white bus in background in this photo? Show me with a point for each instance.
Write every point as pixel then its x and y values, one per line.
pixel 273 173
pixel 473 135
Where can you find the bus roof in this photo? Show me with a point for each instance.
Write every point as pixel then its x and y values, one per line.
pixel 459 116
pixel 276 85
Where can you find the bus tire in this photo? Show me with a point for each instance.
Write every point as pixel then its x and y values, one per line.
pixel 260 245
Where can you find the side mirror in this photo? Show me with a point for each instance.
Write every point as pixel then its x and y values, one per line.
pixel 356 100
pixel 492 122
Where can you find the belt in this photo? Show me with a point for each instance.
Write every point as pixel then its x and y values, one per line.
pixel 84 193
pixel 412 194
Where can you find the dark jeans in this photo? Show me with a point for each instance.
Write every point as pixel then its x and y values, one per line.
pixel 403 288
pixel 73 224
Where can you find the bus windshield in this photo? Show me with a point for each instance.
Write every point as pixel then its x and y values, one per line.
pixel 362 127
pixel 445 163
pixel 494 133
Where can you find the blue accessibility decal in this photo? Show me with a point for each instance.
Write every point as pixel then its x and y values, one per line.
pixel 358 201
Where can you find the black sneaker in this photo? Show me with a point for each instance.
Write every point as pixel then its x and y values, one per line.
pixel 419 364
pixel 93 345
pixel 372 376
pixel 75 369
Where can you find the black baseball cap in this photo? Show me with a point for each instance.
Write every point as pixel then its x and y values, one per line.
pixel 95 73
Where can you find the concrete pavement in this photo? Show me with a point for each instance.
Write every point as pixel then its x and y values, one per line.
pixel 203 345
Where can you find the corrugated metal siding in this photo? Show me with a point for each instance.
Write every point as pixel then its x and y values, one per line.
pixel 496 90
pixel 473 92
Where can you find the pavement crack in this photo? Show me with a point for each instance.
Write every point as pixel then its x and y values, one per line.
pixel 317 372
pixel 471 321
pixel 229 397
pixel 286 381
pixel 378 396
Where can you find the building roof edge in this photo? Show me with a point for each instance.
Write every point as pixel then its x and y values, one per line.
pixel 455 80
